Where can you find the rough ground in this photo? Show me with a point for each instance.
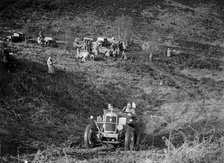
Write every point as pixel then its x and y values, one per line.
pixel 179 98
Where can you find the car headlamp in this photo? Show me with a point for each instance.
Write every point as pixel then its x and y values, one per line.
pixel 119 127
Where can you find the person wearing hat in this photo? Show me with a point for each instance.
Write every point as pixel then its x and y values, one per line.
pixel 110 107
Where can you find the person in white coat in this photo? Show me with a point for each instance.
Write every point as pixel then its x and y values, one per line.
pixel 168 54
pixel 130 108
pixel 50 65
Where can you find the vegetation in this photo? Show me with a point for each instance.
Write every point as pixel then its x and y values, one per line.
pixel 179 98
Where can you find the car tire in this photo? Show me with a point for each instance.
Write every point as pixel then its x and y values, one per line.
pixel 92 57
pixel 129 139
pixel 89 137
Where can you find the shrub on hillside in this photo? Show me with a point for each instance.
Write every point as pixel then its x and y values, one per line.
pixel 193 120
pixel 123 28
pixel 194 152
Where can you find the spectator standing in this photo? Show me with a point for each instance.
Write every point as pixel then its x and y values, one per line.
pixel 50 65
pixel 6 59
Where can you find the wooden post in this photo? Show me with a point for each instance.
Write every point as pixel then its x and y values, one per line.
pixel 0 151
pixel 122 29
pixel 150 56
pixel 66 40
pixel 18 154
pixel 119 34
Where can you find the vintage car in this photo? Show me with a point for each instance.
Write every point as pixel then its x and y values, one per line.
pixel 115 128
pixel 104 41
pixel 49 41
pixel 108 46
pixel 104 46
pixel 16 37
pixel 105 50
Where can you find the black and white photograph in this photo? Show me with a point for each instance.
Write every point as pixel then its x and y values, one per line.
pixel 111 81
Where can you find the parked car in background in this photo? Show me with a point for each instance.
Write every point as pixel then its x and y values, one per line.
pixel 16 37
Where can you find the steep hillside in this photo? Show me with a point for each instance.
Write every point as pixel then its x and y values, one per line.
pixel 40 101
pixel 179 98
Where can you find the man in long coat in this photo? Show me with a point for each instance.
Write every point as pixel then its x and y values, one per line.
pixel 50 65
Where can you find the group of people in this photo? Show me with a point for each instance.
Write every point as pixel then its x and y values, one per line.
pixel 116 47
pixel 87 45
pixel 46 41
pixel 129 108
pixel 6 61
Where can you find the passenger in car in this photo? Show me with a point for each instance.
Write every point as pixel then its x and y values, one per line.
pixel 110 107
pixel 130 108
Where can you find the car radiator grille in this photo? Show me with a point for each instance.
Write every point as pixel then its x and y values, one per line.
pixel 110 125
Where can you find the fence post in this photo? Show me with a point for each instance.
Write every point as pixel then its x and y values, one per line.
pixel 66 40
pixel 0 151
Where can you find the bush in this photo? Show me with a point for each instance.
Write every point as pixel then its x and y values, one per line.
pixel 123 28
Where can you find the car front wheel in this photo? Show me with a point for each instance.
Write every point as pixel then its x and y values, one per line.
pixel 89 137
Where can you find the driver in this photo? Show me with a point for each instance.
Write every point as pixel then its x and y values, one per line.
pixel 110 107
pixel 130 108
